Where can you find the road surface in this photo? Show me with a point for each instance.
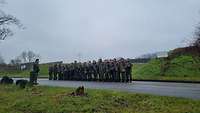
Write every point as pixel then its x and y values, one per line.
pixel 186 90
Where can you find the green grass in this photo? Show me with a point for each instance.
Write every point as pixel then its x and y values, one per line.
pixel 41 99
pixel 181 68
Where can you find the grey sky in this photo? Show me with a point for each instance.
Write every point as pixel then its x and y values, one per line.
pixel 61 29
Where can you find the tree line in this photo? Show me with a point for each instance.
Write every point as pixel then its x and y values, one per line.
pixel 24 57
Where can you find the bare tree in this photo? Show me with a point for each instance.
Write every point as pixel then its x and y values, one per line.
pixel 28 56
pixel 196 41
pixel 23 56
pixel 31 56
pixel 15 61
pixel 6 21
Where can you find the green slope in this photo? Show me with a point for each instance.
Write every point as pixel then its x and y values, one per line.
pixel 179 68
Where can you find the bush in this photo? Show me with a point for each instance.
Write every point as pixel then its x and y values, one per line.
pixel 6 80
pixel 22 83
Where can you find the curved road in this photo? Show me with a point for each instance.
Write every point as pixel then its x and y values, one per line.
pixel 186 90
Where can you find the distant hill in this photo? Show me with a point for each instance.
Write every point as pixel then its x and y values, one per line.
pixel 154 55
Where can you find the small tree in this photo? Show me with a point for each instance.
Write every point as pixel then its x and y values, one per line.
pixel 15 61
pixel 196 41
pixel 28 56
pixel 23 56
pixel 31 56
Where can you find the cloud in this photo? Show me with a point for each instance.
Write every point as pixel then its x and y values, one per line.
pixel 61 29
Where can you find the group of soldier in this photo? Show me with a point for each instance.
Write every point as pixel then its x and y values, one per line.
pixel 106 71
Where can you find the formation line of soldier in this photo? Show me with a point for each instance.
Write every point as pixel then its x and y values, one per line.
pixel 106 71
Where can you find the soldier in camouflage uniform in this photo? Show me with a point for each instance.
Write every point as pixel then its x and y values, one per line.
pixel 66 73
pixel 60 71
pixel 89 71
pixel 84 70
pixel 34 73
pixel 128 71
pixel 94 71
pixel 50 73
pixel 122 71
pixel 107 72
pixel 101 70
pixel 75 71
pixel 55 72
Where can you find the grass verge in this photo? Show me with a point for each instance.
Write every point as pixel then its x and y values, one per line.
pixel 41 99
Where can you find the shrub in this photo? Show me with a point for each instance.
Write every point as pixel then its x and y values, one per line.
pixel 22 83
pixel 6 80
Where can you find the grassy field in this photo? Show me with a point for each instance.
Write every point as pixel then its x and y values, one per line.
pixel 42 99
pixel 43 72
pixel 180 68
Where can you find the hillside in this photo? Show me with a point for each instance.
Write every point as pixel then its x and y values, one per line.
pixel 183 67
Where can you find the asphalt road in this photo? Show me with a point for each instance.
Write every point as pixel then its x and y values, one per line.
pixel 186 90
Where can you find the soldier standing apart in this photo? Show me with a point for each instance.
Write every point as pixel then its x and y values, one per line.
pixel 34 73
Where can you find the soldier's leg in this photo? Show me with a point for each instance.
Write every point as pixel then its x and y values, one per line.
pixel 35 78
pixel 130 75
pixel 59 76
pixel 49 76
pixel 117 76
pixel 123 76
pixel 31 77
pixel 127 76
pixel 69 75
pixel 120 77
pixel 95 76
pixel 112 76
pixel 106 77
pixel 100 76
pixel 109 76
pixel 54 76
pixel 89 76
pixel 84 77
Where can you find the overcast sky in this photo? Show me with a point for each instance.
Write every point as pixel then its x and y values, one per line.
pixel 62 29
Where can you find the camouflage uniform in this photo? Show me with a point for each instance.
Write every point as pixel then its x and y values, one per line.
pixel 50 73
pixel 60 72
pixel 34 73
pixel 84 69
pixel 123 72
pixel 112 72
pixel 55 72
pixel 94 71
pixel 101 70
pixel 90 71
pixel 107 72
pixel 128 72
pixel 66 73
